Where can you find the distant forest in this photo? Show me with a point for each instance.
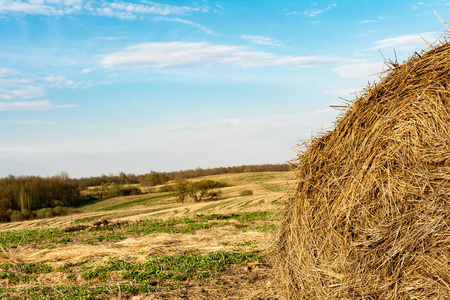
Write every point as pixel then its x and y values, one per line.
pixel 28 197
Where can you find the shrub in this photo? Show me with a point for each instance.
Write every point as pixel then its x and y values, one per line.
pixel 44 213
pixel 214 195
pixel 67 211
pixel 57 210
pixel 166 188
pixel 17 216
pixel 246 193
pixel 27 214
pixel 128 191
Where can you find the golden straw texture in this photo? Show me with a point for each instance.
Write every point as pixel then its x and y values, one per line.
pixel 370 217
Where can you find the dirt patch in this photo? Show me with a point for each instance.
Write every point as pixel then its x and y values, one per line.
pixel 93 225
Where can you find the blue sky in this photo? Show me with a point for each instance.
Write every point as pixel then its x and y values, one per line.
pixel 92 87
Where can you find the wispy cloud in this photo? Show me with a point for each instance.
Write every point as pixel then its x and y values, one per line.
pixel 28 122
pixel 107 82
pixel 23 149
pixel 99 126
pixel 407 42
pixel 21 91
pixel 359 70
pixel 342 92
pixel 44 7
pixel 8 72
pixel 267 127
pixel 261 40
pixel 129 10
pixel 311 13
pixel 367 21
pixel 308 13
pixel 187 22
pixel 16 84
pixel 417 5
pixel 181 54
pixel 31 105
pixel 60 81
pixel 116 9
pixel 112 38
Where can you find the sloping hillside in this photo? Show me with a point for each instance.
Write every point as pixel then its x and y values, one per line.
pixel 151 246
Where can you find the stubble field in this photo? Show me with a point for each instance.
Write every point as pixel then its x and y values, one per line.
pixel 151 247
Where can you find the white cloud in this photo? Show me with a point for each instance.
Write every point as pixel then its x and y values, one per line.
pixel 15 84
pixel 417 5
pixel 8 72
pixel 312 13
pixel 407 42
pixel 21 91
pixel 28 122
pixel 99 126
pixel 187 22
pixel 31 105
pixel 118 9
pixel 260 124
pixel 127 10
pixel 308 13
pixel 181 54
pixel 44 7
pixel 343 92
pixel 359 70
pixel 112 38
pixel 261 40
pixel 60 81
pixel 266 128
pixel 22 149
pixel 107 82
pixel 367 21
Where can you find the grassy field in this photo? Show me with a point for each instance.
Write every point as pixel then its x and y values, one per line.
pixel 151 247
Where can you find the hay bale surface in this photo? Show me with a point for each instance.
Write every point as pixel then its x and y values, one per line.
pixel 370 217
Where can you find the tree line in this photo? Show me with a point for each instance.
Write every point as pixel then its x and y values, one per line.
pixel 28 197
pixel 157 178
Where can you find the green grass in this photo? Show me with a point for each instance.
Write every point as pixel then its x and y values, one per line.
pixel 245 217
pixel 167 272
pixel 23 272
pixel 45 238
pixel 261 177
pixel 71 292
pixel 159 269
pixel 276 188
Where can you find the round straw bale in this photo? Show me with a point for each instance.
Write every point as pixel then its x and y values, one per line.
pixel 370 217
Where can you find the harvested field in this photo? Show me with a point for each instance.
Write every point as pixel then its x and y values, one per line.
pixel 207 250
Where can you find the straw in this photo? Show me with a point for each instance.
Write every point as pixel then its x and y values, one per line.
pixel 370 215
